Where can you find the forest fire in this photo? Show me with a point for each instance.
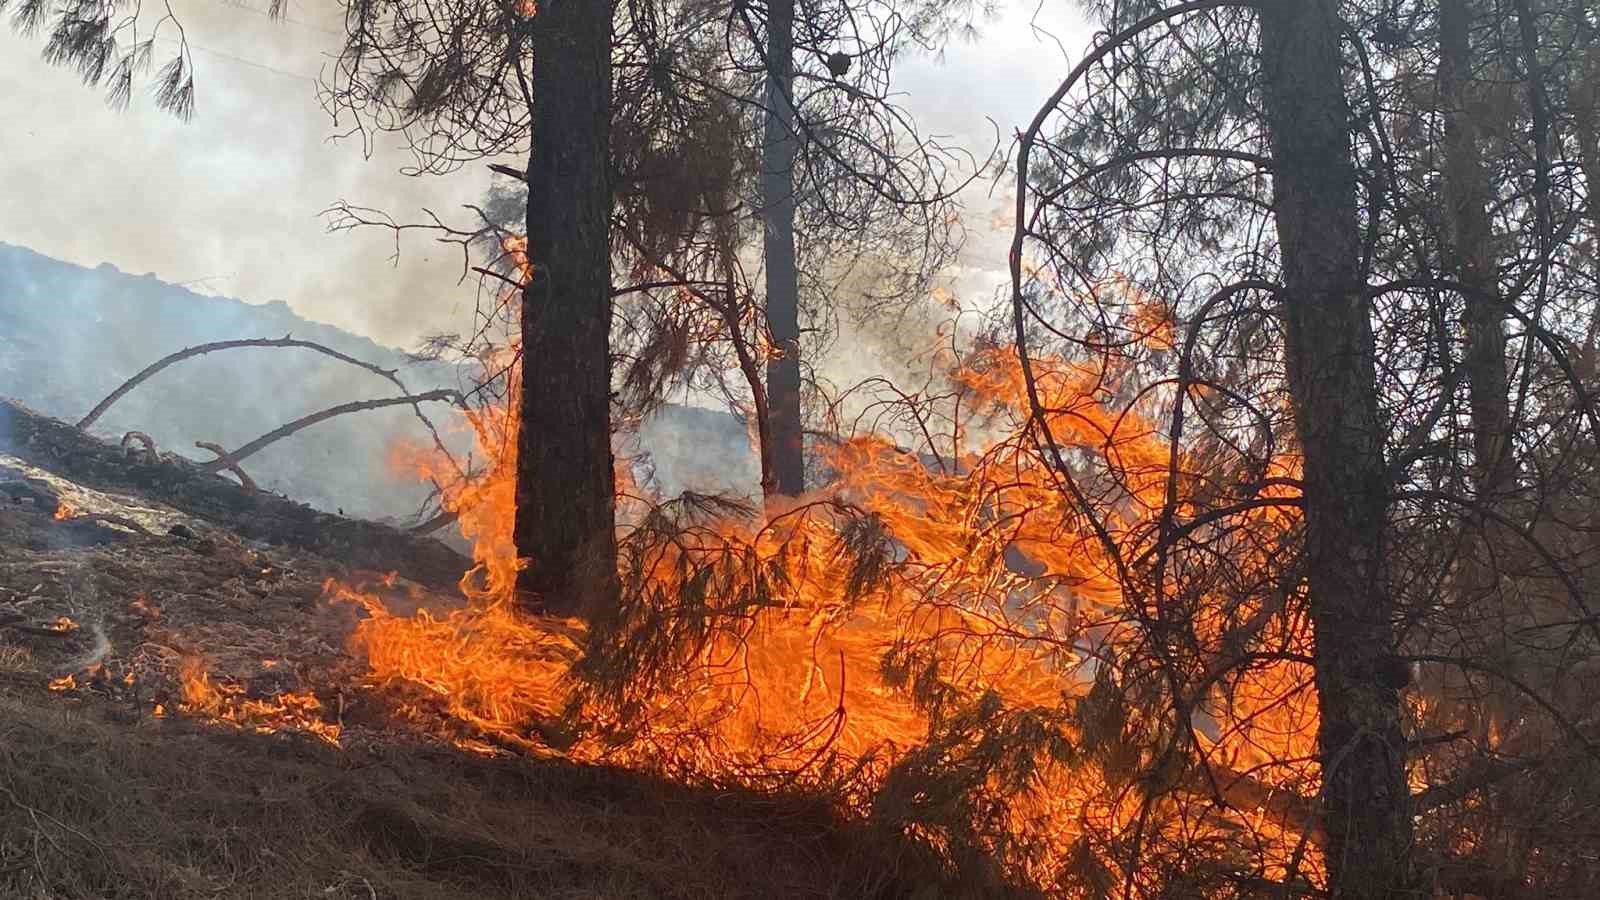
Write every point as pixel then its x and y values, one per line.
pixel 986 642
pixel 905 618
pixel 223 702
pixel 1236 539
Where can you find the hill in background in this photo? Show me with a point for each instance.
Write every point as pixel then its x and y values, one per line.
pixel 69 335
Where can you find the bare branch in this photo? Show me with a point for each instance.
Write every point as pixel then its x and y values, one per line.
pixel 233 459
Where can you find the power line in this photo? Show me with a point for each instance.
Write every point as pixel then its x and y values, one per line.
pixel 243 6
pixel 246 7
pixel 255 65
pixel 192 45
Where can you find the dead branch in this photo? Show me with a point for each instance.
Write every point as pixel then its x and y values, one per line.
pixel 490 273
pixel 443 518
pixel 229 461
pixel 108 519
pixel 141 437
pixel 154 368
pixel 1243 791
pixel 36 630
pixel 245 481
pixel 509 172
pixel 178 482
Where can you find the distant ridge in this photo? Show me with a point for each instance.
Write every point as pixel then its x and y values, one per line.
pixel 70 334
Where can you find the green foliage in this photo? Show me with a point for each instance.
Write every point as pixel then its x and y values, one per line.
pixel 111 44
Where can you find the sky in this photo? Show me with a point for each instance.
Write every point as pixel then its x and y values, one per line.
pixel 231 202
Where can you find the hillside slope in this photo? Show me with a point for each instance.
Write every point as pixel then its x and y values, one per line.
pixel 179 719
pixel 69 335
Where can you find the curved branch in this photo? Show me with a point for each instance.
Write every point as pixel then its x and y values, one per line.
pixel 1551 341
pixel 1568 581
pixel 1024 150
pixel 1564 723
pixel 155 368
pixel 245 481
pixel 232 459
pixel 145 439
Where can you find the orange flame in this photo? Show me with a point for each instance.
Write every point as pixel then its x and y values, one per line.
pixel 223 702
pixel 61 625
pixel 848 629
pixel 822 673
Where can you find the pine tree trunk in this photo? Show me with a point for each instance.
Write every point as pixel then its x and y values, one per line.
pixel 1466 188
pixel 1329 350
pixel 783 289
pixel 566 515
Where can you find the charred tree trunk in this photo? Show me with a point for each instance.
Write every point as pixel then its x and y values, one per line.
pixel 1332 381
pixel 566 513
pixel 783 287
pixel 1467 198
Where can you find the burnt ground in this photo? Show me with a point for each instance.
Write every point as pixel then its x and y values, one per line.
pixel 108 791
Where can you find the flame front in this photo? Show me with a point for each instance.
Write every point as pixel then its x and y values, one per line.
pixel 900 620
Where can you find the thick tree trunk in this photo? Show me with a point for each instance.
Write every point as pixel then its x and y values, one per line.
pixel 1467 198
pixel 566 514
pixel 783 288
pixel 1366 804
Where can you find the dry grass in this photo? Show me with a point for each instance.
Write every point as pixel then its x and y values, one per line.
pixel 14 658
pixel 100 800
pixel 171 809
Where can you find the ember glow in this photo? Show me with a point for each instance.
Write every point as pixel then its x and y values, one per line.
pixel 61 625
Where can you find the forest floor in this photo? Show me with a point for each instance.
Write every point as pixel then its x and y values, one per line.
pixel 113 784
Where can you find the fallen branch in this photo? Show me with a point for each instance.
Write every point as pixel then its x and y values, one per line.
pixel 108 519
pixel 245 481
pixel 89 461
pixel 443 518
pixel 35 630
pixel 141 437
pixel 286 341
pixel 155 368
pixel 231 460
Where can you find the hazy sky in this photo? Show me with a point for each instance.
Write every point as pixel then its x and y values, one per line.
pixel 230 201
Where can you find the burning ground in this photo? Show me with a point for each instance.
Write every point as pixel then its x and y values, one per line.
pixel 181 718
pixel 927 651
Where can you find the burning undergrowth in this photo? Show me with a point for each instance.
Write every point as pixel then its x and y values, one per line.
pixel 143 619
pixel 182 718
pixel 949 651
pixel 960 646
